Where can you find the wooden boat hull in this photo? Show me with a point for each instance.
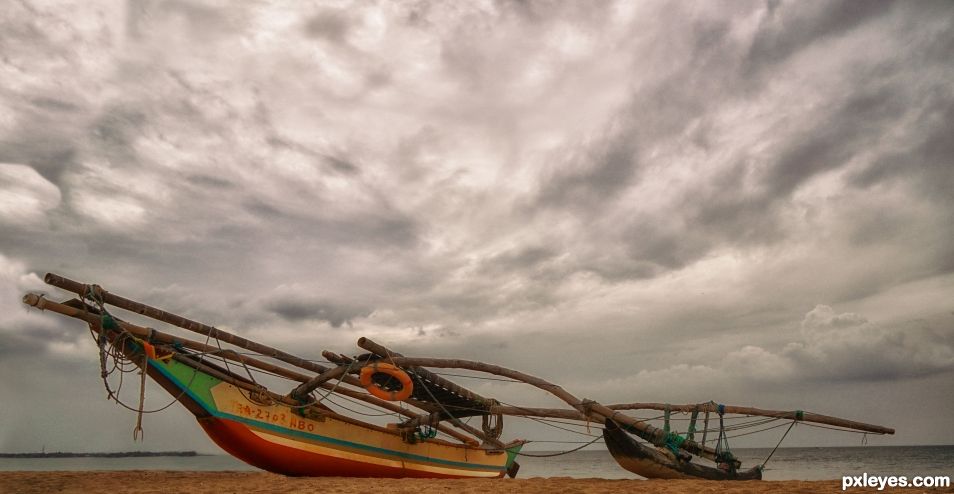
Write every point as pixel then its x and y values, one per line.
pixel 276 438
pixel 647 462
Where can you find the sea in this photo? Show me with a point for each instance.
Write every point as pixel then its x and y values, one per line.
pixel 785 464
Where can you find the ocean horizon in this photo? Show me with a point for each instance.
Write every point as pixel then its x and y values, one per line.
pixel 802 463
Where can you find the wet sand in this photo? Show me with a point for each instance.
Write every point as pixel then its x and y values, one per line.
pixel 166 482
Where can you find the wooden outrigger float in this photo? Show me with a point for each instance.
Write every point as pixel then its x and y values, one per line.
pixel 295 433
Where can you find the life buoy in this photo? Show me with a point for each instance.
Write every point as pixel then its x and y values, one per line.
pixel 407 387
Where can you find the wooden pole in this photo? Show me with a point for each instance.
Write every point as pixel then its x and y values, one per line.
pixel 144 333
pixel 305 388
pixel 739 410
pixel 165 338
pixel 203 329
pixel 589 408
pixel 182 322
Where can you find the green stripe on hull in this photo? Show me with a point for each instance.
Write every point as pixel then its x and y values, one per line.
pixel 198 384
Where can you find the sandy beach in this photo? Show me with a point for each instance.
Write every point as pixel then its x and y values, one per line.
pixel 164 482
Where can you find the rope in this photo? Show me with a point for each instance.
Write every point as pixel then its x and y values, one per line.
pixel 756 431
pixel 691 433
pixel 335 403
pixel 120 362
pixel 705 428
pixel 561 453
pixel 548 423
pixel 340 378
pixel 779 444
pixel 137 432
pixel 483 378
pixel 666 420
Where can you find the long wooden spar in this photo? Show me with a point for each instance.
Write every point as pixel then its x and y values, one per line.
pixel 106 297
pixel 83 290
pixel 588 408
pixel 42 303
pixel 800 416
pixel 163 338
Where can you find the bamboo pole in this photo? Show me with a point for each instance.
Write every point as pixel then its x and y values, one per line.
pixel 180 321
pixel 203 329
pixel 798 415
pixel 168 339
pixel 553 413
pixel 144 333
pixel 589 408
pixel 305 388
pixel 336 358
pixel 42 303
pixel 592 409
pixel 788 415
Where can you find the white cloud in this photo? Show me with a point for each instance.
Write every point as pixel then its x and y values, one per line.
pixel 25 196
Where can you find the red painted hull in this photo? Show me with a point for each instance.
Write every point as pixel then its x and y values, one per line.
pixel 236 439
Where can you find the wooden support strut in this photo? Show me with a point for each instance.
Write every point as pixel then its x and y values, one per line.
pixel 781 414
pixel 789 415
pixel 304 389
pixel 588 408
pixel 165 338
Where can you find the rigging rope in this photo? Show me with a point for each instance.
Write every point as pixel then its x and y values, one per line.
pixel 137 431
pixel 769 457
pixel 561 453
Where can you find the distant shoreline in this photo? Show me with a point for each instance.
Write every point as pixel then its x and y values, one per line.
pixel 125 454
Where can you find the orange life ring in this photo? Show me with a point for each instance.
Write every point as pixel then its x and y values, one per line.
pixel 407 387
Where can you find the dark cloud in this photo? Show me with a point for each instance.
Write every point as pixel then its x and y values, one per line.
pixel 114 133
pixel 929 161
pixel 593 179
pixel 317 310
pixel 788 28
pixel 331 25
pixel 43 137
pixel 209 182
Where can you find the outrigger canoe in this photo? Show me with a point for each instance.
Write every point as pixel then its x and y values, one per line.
pixel 298 433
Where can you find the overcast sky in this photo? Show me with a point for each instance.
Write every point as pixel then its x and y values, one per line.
pixel 748 202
